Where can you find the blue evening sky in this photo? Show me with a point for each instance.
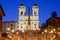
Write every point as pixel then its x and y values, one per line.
pixel 46 7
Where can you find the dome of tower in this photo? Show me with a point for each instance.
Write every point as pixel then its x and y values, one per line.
pixel 35 4
pixel 22 4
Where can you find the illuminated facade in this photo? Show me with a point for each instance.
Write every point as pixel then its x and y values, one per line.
pixel 22 23
pixel 23 19
pixel 10 25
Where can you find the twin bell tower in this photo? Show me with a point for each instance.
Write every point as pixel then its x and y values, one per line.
pixel 30 22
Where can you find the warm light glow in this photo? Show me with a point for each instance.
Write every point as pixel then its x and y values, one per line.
pixel 17 32
pixel 39 28
pixel 42 32
pixel 12 30
pixel 9 36
pixel 54 36
pixel 45 31
pixel 22 30
pixel 59 33
pixel 54 29
pixel 51 31
pixel 58 28
pixel 8 29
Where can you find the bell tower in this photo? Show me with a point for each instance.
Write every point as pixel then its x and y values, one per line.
pixel 35 19
pixel 35 9
pixel 21 21
pixel 22 10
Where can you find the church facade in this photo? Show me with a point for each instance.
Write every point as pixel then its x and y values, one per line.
pixel 23 20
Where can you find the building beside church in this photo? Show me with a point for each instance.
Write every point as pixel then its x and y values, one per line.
pixel 6 26
pixel 1 15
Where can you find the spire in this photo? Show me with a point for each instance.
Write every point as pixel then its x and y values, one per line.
pixel 29 16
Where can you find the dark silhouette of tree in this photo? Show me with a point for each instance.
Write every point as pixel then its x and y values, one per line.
pixel 51 20
pixel 54 14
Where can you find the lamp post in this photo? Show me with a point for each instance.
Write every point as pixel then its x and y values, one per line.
pixel 54 34
pixel 8 30
pixel 43 35
pixel 10 33
pixel 22 30
pixel 46 33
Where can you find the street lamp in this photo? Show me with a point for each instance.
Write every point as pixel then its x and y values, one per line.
pixel 43 35
pixel 45 31
pixel 54 29
pixel 17 32
pixel 22 30
pixel 12 30
pixel 54 36
pixel 58 28
pixel 8 29
pixel 59 33
pixel 42 32
pixel 51 31
pixel 12 35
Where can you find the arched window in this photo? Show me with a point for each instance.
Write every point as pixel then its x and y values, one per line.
pixel 21 25
pixel 21 13
pixel 34 13
pixel 35 25
pixel 11 26
pixel 17 26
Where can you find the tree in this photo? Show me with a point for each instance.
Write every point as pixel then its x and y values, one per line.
pixel 54 14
